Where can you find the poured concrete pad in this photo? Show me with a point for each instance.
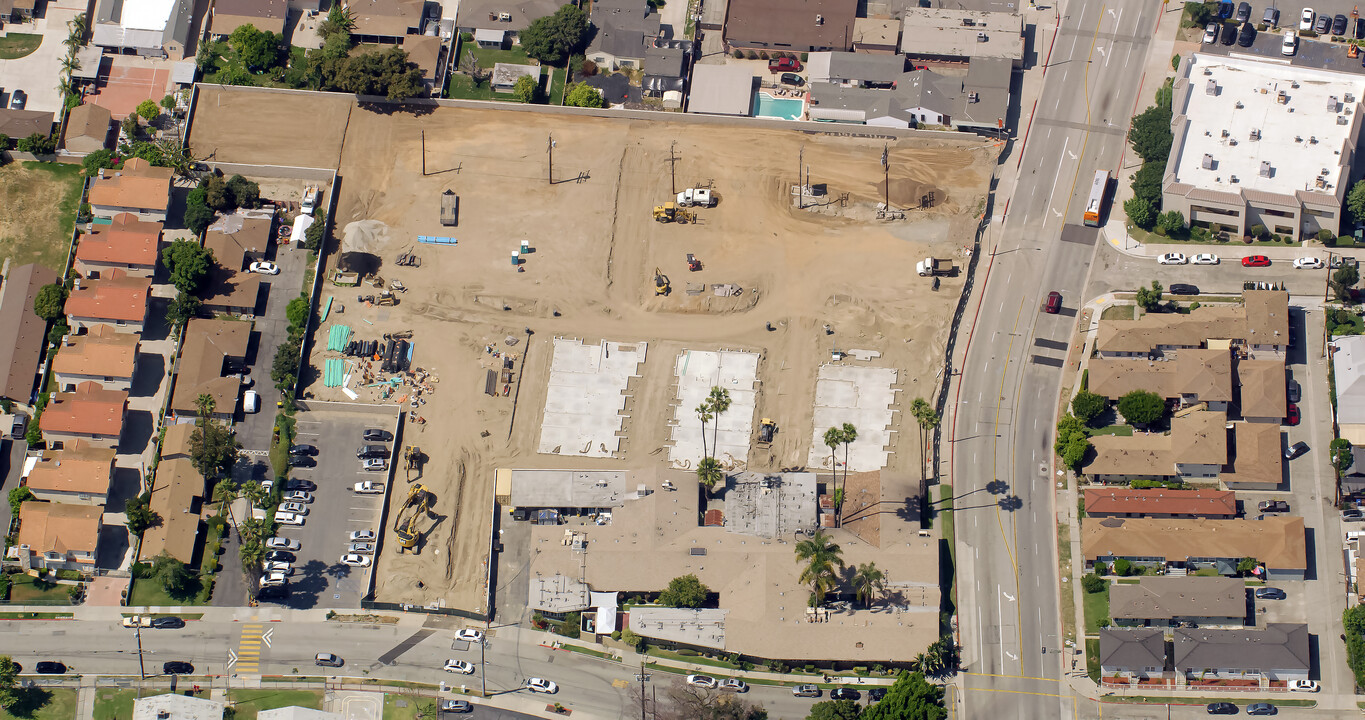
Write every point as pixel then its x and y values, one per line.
pixel 862 396
pixel 585 397
pixel 698 371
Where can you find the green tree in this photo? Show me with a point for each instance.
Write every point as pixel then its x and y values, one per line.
pixel 583 95
pixel 1073 441
pixel 188 263
pixel 1093 583
pixel 316 233
pixel 704 414
pixel 1342 455
pixel 709 472
pixel 868 580
pixel 1171 223
pixel 339 20
pixel 214 448
pixel 131 128
pixel 258 49
pixel 1353 620
pixel 1246 565
pixel 684 592
pixel 297 312
pixel 526 89
pixel 1122 567
pixel 285 367
pixel 139 513
pixel 1355 201
pixel 1150 134
pixel 245 193
pixel 910 698
pixel 9 682
pixel 33 435
pixel 182 308
pixel 719 400
pixel 99 159
pixel 1087 406
pixel 926 419
pixel 198 215
pixel 1141 407
pixel 148 110
pixel 1140 212
pixel 50 301
pixel 834 437
pixel 225 492
pixel 17 497
pixel 168 103
pixel 177 579
pixel 1199 14
pixel 835 710
pixel 1343 279
pixel 217 194
pixel 38 144
pixel 1149 299
pixel 822 557
pixel 553 38
pixel 629 637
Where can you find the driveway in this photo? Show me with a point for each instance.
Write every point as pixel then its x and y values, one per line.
pixel 272 328
pixel 36 74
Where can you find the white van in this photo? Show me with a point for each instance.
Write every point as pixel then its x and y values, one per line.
pixel 251 402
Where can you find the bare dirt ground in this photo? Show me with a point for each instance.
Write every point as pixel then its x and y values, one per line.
pixel 590 275
pixel 285 128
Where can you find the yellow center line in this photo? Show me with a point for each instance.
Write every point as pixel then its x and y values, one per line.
pixel 1015 677
pixel 995 469
pixel 1018 692
pixel 1085 139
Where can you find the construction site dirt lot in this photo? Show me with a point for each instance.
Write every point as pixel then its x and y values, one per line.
pixel 595 249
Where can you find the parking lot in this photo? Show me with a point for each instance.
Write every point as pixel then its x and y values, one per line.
pixel 320 580
pixel 1312 52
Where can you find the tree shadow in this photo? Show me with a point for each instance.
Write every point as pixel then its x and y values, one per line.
pixel 28 701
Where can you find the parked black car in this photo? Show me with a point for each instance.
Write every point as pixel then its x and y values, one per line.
pixel 1339 25
pixel 294 484
pixel 1296 450
pixel 1184 289
pixel 168 623
pixel 49 667
pixel 844 694
pixel 1222 708
pixel 301 461
pixel 1247 35
pixel 280 556
pixel 177 667
pixel 1229 34
pixel 1272 506
pixel 303 449
pixel 377 435
pixel 372 451
pixel 1243 12
pixel 792 79
pixel 1270 593
pixel 1262 708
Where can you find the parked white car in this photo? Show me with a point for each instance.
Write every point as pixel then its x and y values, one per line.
pixel 1211 33
pixel 355 560
pixel 1290 44
pixel 288 518
pixel 1306 19
pixel 282 568
pixel 297 508
pixel 362 536
pixel 701 681
pixel 265 268
pixel 1171 259
pixel 282 543
pixel 376 464
pixel 469 635
pixel 1204 259
pixel 460 666
pixel 1307 263
pixel 1303 686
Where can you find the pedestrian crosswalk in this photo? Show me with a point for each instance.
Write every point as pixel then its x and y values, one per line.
pixel 245 659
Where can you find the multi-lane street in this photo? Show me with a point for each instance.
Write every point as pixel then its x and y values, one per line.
pixel 1006 394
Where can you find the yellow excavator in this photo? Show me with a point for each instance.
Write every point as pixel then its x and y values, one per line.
pixel 661 284
pixel 416 505
pixel 670 212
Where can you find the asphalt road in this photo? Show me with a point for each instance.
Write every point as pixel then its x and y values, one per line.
pixel 1007 564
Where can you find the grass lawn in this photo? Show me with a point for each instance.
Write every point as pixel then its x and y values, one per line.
pixel 35 615
pixel 1146 237
pixel 401 706
pixel 488 58
pixel 1117 312
pixel 16 45
pixel 148 592
pixel 250 702
pixel 40 212
pixel 557 80
pixel 1120 430
pixel 24 590
pixel 1355 327
pixel 43 704
pixel 1092 659
pixel 1064 591
pixel 695 659
pixel 115 704
pixel 1096 609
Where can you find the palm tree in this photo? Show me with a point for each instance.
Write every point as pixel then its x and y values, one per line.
pixel 719 400
pixel 255 493
pixel 704 415
pixel 70 63
pixel 709 472
pixel 847 434
pixel 927 419
pixel 821 556
pixel 868 580
pixel 224 493
pixel 64 86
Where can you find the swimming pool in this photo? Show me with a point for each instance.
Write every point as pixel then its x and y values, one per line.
pixel 766 105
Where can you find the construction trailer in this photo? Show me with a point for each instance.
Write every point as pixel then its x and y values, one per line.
pixel 450 208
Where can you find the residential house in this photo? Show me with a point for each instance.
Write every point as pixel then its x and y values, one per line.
pixel 103 356
pixel 22 332
pixel 1277 652
pixel 116 299
pixel 1267 323
pixel 87 129
pixel 1129 653
pixel 1103 502
pixel 506 75
pixel 427 52
pixel 1195 376
pixel 175 442
pixel 922 97
pixel 721 90
pixel 137 188
pixel 666 71
pixel 942 35
pixel 152 28
pixel 20 9
pixel 1259 326
pixel 126 244
pixel 58 536
pixel 1257 458
pixel 90 414
pixel 78 474
pixel 790 25
pixel 234 241
pixel 1261 390
pixel 1195 448
pixel 1348 369
pixel 212 350
pixel 1278 543
pixel 851 69
pixel 1170 600
pixel 23 123
pixel 501 17
pixel 624 29
pixel 174 706
pixel 386 21
pixel 267 15
pixel 881 36
pixel 176 497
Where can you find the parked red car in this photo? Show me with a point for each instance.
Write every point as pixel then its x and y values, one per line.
pixel 1255 261
pixel 1054 303
pixel 1293 417
pixel 784 64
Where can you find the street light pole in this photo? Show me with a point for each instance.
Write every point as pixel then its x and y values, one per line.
pixel 483 668
pixel 141 667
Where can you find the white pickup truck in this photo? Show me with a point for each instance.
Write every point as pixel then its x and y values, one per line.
pixel 369 487
pixel 310 200
pixel 700 197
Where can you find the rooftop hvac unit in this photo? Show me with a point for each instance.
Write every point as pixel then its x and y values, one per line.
pixel 1225 133
pixel 1341 119
pixel 1238 105
pixel 505 17
pixel 1331 103
pixel 981 37
pixel 1255 134
pixel 696 552
pixel 968 22
pixel 1265 170
pixel 972 97
pixel 819 19
pixel 1232 179
pixel 1211 87
pixel 1207 164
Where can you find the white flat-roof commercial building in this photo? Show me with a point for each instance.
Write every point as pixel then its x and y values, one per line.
pixel 158 28
pixel 1260 143
pixel 949 35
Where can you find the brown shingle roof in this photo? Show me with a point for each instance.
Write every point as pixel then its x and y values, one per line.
pixel 1160 501
pixel 1196 438
pixel 101 352
pixel 792 23
pixel 127 241
pixel 21 331
pixel 1267 317
pixel 91 410
pixel 207 345
pixel 1154 329
pixel 176 443
pixel 88 121
pixel 1206 373
pixel 138 185
pixel 1258 456
pixel 268 15
pixel 425 51
pixel 385 18
pixel 22 123
pixel 175 492
pixel 1262 387
pixel 59 527
pixel 76 469
pixel 115 297
pixel 1163 598
pixel 1277 541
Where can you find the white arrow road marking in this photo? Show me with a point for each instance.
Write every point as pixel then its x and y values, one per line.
pixel 1007 596
pixel 232 658
pixel 1012 655
pixel 265 636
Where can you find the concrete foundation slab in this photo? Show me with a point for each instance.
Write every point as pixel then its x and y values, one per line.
pixel 585 397
pixel 863 396
pixel 697 372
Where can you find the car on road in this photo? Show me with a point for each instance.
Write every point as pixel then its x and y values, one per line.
pixel 299 496
pixel 177 667
pixel 806 691
pixel 784 64
pixel 362 548
pixel 1184 289
pixel 283 556
pixel 50 667
pixel 369 488
pixel 1243 12
pixel 1204 259
pixel 791 79
pixel 288 518
pixel 469 635
pixel 293 484
pixel 1306 19
pixel 1352 515
pixel 303 449
pixel 328 660
pixel 1262 708
pixel 844 694
pixel 1246 35
pixel 355 560
pixel 1270 593
pixel 170 622
pixel 1054 303
pixel 876 693
pixel 1339 25
pixel 1303 686
pixel 1296 450
pixel 1174 258
pixel 376 435
pixel 302 461
pixel 734 685
pixel 1271 16
pixel 456 706
pixel 264 268
pixel 541 685
pixel 1292 418
pixel 1222 708
pixel 367 536
pixel 375 464
pixel 1290 45
pixel 1255 261
pixel 282 543
pixel 460 666
pixel 1307 263
pixel 1272 506
pixel 701 681
pixel 297 508
pixel 1211 33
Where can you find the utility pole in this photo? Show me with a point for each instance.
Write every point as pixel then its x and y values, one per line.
pixel 886 177
pixel 673 168
pixel 483 667
pixel 643 679
pixel 550 148
pixel 800 189
pixel 141 667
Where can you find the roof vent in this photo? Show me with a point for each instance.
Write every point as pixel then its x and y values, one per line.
pixel 1232 179
pixel 1208 162
pixel 819 19
pixel 1331 103
pixel 981 37
pixel 1255 134
pixel 1211 87
pixel 1265 170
